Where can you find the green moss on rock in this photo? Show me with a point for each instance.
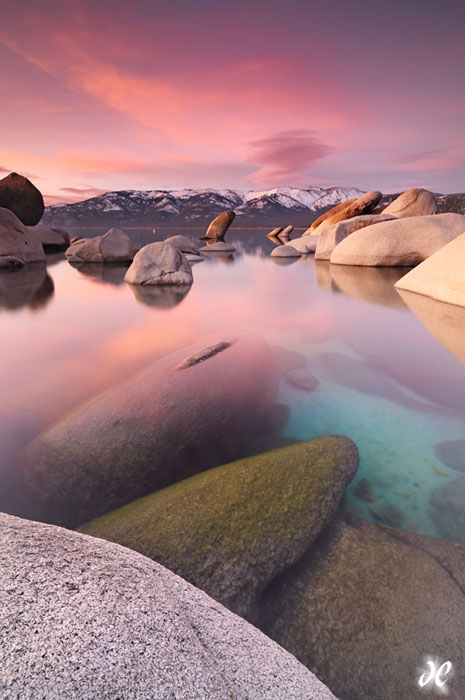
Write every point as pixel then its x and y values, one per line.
pixel 232 529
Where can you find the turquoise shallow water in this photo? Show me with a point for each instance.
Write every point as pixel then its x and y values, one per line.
pixel 382 378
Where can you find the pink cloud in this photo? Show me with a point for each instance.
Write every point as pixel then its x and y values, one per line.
pixel 286 157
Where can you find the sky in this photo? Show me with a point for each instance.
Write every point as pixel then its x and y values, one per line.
pixel 108 95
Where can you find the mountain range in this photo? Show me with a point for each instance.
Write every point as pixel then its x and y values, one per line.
pixel 195 208
pixel 275 207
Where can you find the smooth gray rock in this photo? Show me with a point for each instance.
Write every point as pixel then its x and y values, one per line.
pixel 192 410
pixel 51 239
pixel 414 202
pixel 113 246
pixel 401 242
pixel 285 251
pixel 84 619
pixel 220 224
pixel 184 244
pixel 18 246
pixel 159 263
pixel 304 244
pixel 18 194
pixel 441 276
pixel 335 233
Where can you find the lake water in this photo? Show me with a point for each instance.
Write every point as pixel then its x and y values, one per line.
pixel 380 376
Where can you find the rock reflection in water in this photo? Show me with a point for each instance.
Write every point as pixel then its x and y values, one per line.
pixel 161 296
pixel 29 287
pixel 445 322
pixel 374 284
pixel 105 273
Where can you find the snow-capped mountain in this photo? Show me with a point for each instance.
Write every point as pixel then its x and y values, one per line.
pixel 276 207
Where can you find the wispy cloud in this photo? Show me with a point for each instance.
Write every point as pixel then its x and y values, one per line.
pixel 287 156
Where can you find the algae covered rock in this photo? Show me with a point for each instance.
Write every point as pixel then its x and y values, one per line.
pixel 92 620
pixel 231 530
pixel 192 410
pixel 365 606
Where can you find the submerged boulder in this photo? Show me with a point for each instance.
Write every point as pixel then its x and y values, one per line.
pixel 188 412
pixel 220 224
pixel 400 242
pixel 18 245
pixel 335 233
pixel 441 277
pixel 415 202
pixel 112 246
pixel 364 607
pixel 267 511
pixel 20 196
pixel 95 620
pixel 447 511
pixel 51 238
pixel 159 263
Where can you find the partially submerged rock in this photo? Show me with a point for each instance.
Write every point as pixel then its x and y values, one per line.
pixel 335 233
pixel 286 232
pixel 400 242
pixel 188 412
pixel 18 245
pixel 304 244
pixel 112 246
pixel 267 511
pixel 20 196
pixel 51 239
pixel 285 251
pixel 159 263
pixel 220 224
pixel 363 608
pixel 452 454
pixel 441 276
pixel 184 244
pixel 415 202
pixel 220 247
pixel 275 232
pixel 95 620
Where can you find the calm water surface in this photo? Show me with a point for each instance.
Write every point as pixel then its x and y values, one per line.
pixel 383 379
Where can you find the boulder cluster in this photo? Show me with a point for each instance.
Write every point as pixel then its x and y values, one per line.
pixel 408 232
